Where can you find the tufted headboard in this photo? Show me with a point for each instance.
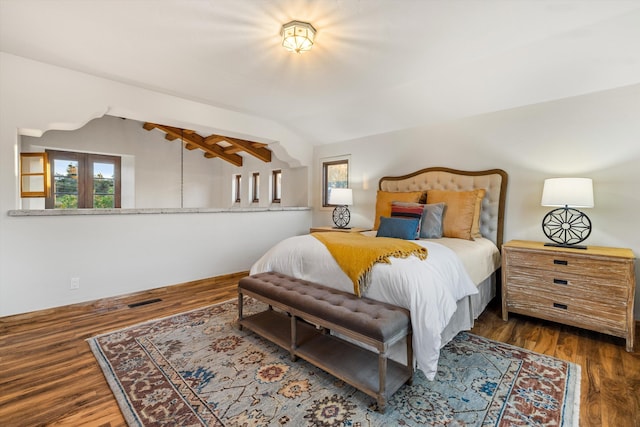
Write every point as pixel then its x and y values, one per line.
pixel 494 181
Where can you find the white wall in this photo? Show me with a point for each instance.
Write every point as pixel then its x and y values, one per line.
pixel 151 167
pixel 595 136
pixel 118 254
pixel 295 184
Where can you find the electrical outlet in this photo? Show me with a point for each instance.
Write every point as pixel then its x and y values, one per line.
pixel 75 283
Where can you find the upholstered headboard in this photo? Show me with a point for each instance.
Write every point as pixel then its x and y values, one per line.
pixel 494 181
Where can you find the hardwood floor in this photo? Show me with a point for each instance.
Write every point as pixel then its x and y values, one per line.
pixel 48 375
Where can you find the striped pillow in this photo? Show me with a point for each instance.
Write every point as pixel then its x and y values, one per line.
pixel 406 210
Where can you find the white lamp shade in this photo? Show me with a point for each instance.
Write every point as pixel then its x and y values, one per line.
pixel 573 192
pixel 341 196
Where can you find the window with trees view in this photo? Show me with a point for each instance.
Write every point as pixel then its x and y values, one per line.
pixel 83 180
pixel 335 174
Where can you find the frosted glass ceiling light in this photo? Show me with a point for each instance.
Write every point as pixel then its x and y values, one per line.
pixel 297 36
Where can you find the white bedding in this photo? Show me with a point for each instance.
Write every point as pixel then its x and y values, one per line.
pixel 429 289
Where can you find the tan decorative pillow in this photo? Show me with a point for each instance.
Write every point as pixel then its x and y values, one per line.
pixel 460 213
pixel 384 199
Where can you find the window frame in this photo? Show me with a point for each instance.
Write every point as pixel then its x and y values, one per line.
pixel 85 177
pixel 29 174
pixel 325 184
pixel 255 187
pixel 238 193
pixel 276 186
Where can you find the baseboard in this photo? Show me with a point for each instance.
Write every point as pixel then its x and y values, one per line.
pixel 118 300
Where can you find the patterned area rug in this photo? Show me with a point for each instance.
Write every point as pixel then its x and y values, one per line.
pixel 198 368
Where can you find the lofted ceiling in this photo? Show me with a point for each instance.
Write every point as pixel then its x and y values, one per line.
pixel 377 65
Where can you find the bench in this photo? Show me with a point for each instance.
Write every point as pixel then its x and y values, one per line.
pixel 306 312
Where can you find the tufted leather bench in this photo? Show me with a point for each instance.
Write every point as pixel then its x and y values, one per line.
pixel 303 303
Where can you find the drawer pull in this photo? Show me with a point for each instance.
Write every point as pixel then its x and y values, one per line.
pixel 560 262
pixel 560 281
pixel 562 306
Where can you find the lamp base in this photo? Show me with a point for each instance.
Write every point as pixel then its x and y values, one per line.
pixel 560 245
pixel 341 216
pixel 566 227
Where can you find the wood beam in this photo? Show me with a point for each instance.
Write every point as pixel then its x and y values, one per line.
pixel 214 139
pixel 236 148
pixel 210 145
pixel 195 139
pixel 261 152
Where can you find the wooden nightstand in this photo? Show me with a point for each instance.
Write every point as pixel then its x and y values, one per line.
pixel 340 230
pixel 591 289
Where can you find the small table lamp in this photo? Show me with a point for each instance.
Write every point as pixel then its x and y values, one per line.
pixel 567 226
pixel 341 197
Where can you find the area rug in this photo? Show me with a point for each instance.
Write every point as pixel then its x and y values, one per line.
pixel 198 368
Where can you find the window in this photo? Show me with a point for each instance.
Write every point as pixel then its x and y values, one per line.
pixel 335 174
pixel 34 175
pixel 237 181
pixel 276 186
pixel 255 187
pixel 83 180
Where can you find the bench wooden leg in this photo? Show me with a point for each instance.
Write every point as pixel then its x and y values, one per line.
pixel 409 339
pixel 382 371
pixel 240 308
pixel 294 337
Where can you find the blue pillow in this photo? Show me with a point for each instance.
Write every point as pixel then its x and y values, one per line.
pixel 431 227
pixel 399 228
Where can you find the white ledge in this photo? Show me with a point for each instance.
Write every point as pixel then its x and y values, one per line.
pixel 147 211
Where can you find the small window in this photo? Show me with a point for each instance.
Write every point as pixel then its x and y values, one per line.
pixel 335 174
pixel 276 186
pixel 255 187
pixel 34 175
pixel 237 181
pixel 83 180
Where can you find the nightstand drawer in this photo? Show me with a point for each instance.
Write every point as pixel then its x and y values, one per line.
pixel 561 283
pixel 596 315
pixel 563 262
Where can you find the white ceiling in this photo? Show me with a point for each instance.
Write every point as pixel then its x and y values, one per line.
pixel 377 65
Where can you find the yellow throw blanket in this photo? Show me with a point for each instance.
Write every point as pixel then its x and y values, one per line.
pixel 356 254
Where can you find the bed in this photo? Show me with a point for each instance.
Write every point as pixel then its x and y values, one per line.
pixel 444 293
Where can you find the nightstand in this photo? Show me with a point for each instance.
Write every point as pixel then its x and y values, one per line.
pixel 340 230
pixel 592 288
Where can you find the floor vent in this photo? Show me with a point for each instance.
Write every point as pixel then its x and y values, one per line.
pixel 149 301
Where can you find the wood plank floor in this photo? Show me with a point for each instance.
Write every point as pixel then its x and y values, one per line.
pixel 48 375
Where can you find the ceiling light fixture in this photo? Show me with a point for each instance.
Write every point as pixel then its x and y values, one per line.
pixel 297 36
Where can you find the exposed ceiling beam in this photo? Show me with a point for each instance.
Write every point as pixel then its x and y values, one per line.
pixel 251 147
pixel 194 139
pixel 214 139
pixel 210 145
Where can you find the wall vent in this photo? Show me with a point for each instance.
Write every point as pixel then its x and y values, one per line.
pixel 149 301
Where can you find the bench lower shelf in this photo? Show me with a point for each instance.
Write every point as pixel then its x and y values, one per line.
pixel 352 364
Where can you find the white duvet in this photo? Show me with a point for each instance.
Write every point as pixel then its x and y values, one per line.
pixel 429 288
